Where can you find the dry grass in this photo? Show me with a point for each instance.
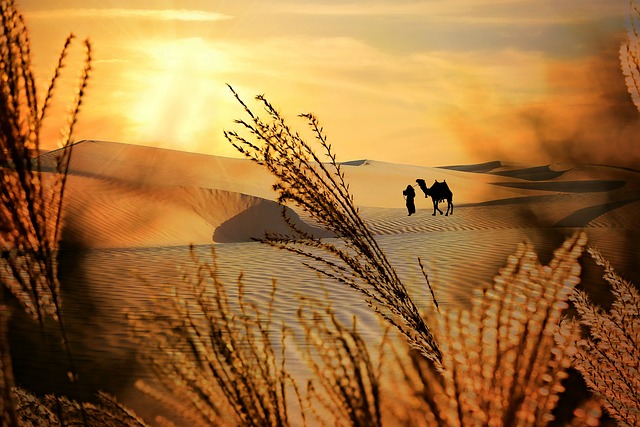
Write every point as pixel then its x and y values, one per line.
pixel 499 364
pixel 30 218
pixel 7 403
pixel 502 364
pixel 30 208
pixel 320 189
pixel 609 359
pixel 215 356
pixel 59 411
pixel 346 380
pixel 221 360
pixel 504 359
pixel 630 54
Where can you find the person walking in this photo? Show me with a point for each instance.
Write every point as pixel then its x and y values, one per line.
pixel 410 194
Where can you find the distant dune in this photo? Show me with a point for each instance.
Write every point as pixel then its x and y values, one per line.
pixel 536 173
pixel 477 168
pixel 124 195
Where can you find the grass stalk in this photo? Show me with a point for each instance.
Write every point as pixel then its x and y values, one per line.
pixel 320 189
pixel 630 54
pixel 608 357
pixel 215 355
pixel 30 201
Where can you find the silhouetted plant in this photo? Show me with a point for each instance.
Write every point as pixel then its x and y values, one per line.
pixel 320 189
pixel 346 381
pixel 218 364
pixel 630 54
pixel 59 411
pixel 30 207
pixel 502 364
pixel 609 359
pixel 30 202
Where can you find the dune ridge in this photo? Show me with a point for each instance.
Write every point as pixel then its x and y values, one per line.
pixel 124 195
pixel 477 168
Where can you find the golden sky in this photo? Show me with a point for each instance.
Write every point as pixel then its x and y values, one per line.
pixel 425 82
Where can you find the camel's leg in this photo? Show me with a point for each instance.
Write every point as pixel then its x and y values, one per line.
pixel 435 204
pixel 434 208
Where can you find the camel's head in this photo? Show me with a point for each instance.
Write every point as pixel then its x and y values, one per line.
pixel 423 186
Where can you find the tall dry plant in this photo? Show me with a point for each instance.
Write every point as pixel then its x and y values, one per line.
pixel 319 188
pixel 346 383
pixel 630 54
pixel 609 359
pixel 30 201
pixel 502 364
pixel 52 410
pixel 216 356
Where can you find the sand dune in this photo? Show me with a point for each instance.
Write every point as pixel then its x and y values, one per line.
pixel 132 196
pixel 106 213
pixel 586 186
pixel 135 164
pixel 478 168
pixel 130 211
pixel 123 195
pixel 536 173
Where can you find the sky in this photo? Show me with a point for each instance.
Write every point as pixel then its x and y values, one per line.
pixel 423 82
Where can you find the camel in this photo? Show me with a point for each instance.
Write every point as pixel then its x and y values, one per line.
pixel 439 191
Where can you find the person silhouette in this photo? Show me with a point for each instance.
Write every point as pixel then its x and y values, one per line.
pixel 409 194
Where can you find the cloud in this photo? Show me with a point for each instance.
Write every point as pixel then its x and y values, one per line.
pixel 585 116
pixel 173 91
pixel 148 14
pixel 479 12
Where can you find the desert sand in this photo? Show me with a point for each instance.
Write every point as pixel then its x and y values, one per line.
pixel 131 212
pixel 185 198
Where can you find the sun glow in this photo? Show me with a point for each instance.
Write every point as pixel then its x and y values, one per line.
pixel 392 80
pixel 179 93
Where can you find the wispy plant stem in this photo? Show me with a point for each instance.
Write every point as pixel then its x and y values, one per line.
pixel 320 189
pixel 30 201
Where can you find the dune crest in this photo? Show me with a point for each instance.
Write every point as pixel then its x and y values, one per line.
pixel 105 213
pixel 124 195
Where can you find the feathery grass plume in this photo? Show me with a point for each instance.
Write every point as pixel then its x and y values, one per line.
pixel 416 383
pixel 320 190
pixel 30 201
pixel 630 54
pixel 502 365
pixel 216 356
pixel 609 360
pixel 30 207
pixel 59 411
pixel 346 382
